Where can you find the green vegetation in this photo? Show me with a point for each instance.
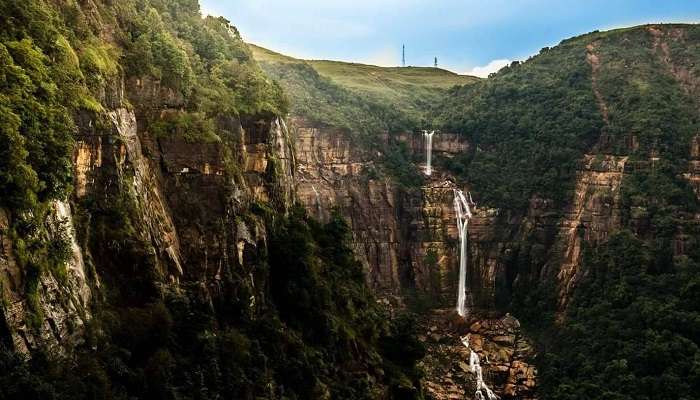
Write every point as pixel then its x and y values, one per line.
pixel 528 125
pixel 320 291
pixel 531 122
pixel 323 335
pixel 204 60
pixel 195 127
pixel 40 83
pixel 631 330
pixel 410 90
pixel 365 100
pixel 35 127
pixel 323 101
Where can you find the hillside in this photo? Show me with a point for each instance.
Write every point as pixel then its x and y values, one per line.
pixel 592 146
pixel 583 161
pixel 403 94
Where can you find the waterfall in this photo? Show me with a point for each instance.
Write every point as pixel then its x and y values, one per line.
pixel 318 196
pixel 75 265
pixel 463 214
pixel 429 149
pixel 475 368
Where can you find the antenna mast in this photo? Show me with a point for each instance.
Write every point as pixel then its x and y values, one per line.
pixel 403 55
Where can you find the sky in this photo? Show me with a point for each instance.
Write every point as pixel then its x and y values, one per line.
pixel 467 36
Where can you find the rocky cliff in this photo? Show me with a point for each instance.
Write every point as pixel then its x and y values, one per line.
pixel 404 237
pixel 407 241
pixel 156 243
pixel 183 209
pixel 160 188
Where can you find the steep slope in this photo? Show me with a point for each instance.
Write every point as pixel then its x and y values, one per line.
pixel 409 90
pixel 587 151
pixel 150 243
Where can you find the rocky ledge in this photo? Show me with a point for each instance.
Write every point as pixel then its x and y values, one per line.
pixel 500 344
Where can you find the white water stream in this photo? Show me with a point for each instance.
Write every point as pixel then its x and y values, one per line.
pixel 475 368
pixel 319 206
pixel 464 214
pixel 429 149
pixel 318 197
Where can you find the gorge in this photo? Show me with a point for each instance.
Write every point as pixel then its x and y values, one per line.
pixel 187 216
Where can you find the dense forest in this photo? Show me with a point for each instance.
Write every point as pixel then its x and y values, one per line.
pixel 631 331
pixel 322 337
pixel 317 334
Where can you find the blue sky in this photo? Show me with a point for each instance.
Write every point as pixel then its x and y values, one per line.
pixel 467 36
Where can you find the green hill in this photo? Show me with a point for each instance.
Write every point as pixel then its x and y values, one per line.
pixel 533 121
pixel 395 98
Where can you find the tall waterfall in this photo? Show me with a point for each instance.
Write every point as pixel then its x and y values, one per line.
pixel 429 149
pixel 475 368
pixel 463 214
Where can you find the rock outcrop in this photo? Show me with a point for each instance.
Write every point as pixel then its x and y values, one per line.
pixel 591 216
pixel 179 204
pixel 404 237
pixel 52 314
pixel 505 355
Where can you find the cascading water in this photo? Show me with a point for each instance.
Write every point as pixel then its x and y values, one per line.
pixel 475 368
pixel 429 149
pixel 463 214
pixel 318 196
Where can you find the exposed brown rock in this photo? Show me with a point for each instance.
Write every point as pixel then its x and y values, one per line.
pixel 404 238
pixel 591 216
pixel 505 363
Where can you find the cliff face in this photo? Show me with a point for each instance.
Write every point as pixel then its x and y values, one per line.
pixel 160 188
pixel 183 219
pixel 60 306
pixel 407 238
pixel 404 237
pixel 408 243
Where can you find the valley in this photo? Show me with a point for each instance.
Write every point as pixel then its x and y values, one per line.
pixel 188 216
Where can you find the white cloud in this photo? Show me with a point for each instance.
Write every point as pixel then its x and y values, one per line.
pixel 484 70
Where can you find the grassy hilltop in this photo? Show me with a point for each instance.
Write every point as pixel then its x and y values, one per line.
pixel 394 97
